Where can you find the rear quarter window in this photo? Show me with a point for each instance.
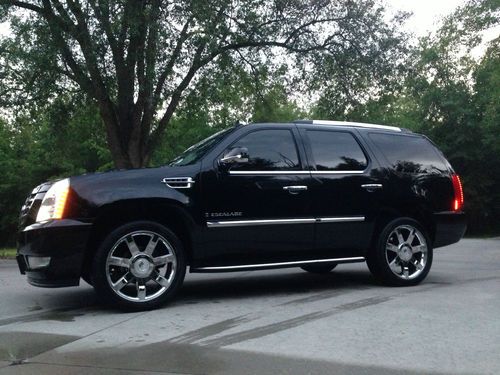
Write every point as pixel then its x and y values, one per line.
pixel 409 154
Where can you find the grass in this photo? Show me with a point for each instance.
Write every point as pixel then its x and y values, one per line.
pixel 7 253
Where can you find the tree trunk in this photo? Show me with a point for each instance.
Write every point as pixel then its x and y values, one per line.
pixel 126 144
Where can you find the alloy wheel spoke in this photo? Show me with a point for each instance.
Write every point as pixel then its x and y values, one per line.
pixel 151 246
pixel 164 259
pixel 141 291
pixel 161 280
pixel 394 262
pixel 406 272
pixel 119 262
pixel 124 280
pixel 411 236
pixel 417 264
pixel 392 247
pixel 400 237
pixel 418 249
pixel 132 246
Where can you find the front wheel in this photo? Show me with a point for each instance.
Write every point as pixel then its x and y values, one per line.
pixel 139 266
pixel 402 256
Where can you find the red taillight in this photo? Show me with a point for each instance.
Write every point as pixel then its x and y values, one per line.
pixel 458 199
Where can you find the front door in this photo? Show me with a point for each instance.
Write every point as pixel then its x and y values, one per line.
pixel 258 211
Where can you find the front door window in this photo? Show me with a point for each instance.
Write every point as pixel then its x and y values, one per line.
pixel 269 150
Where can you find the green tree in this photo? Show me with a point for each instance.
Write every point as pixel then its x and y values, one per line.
pixel 249 95
pixel 454 99
pixel 138 59
pixel 63 138
pixel 487 103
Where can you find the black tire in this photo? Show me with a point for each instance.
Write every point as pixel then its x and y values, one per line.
pixel 319 268
pixel 134 236
pixel 414 270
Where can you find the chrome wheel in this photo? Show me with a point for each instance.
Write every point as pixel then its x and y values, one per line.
pixel 406 252
pixel 141 266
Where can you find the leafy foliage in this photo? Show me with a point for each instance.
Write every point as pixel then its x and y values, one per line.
pixel 367 70
pixel 455 100
pixel 63 139
pixel 138 59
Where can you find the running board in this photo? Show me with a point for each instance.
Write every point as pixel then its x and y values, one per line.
pixel 263 266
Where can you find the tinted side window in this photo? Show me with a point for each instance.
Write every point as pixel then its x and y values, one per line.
pixel 270 149
pixel 409 154
pixel 336 151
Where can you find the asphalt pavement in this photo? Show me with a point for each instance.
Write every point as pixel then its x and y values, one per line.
pixel 268 322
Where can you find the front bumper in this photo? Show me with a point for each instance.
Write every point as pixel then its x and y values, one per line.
pixel 450 228
pixel 64 241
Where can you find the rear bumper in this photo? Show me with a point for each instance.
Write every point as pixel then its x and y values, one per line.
pixel 64 242
pixel 450 228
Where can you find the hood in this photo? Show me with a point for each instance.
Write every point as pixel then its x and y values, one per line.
pixel 97 189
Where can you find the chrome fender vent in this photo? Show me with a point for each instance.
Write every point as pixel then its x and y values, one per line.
pixel 178 182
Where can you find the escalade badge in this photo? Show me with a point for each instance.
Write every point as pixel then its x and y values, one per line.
pixel 224 214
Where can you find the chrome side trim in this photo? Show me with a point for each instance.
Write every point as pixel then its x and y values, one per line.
pixel 236 173
pixel 371 187
pixel 269 265
pixel 356 124
pixel 336 172
pixel 244 223
pixel 340 219
pixel 270 173
pixel 241 223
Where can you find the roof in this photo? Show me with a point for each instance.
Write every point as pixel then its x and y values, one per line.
pixel 350 124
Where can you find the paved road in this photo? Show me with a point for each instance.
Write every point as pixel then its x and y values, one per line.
pixel 276 322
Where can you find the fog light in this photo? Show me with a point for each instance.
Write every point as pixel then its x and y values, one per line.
pixel 37 262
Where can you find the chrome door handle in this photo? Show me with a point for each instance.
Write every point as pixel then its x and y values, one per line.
pixel 372 187
pixel 294 189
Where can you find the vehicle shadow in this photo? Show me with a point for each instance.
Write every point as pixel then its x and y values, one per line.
pixel 279 284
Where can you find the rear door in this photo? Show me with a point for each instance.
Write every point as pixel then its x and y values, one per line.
pixel 345 190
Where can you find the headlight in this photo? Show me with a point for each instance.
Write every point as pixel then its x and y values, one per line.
pixel 54 201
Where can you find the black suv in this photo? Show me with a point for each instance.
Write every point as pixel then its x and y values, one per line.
pixel 309 194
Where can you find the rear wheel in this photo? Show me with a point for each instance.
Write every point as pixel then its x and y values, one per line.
pixel 402 255
pixel 139 266
pixel 319 268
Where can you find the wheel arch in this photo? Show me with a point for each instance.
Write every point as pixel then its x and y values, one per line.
pixel 423 217
pixel 163 211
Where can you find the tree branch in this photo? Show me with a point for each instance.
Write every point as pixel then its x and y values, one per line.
pixel 82 35
pixel 22 4
pixel 124 29
pixel 101 11
pixel 183 36
pixel 80 77
pixel 145 99
pixel 176 96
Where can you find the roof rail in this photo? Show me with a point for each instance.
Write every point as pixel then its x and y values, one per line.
pixel 347 123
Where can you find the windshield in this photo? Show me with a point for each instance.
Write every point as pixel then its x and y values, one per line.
pixel 194 153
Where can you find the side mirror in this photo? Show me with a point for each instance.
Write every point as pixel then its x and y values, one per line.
pixel 237 155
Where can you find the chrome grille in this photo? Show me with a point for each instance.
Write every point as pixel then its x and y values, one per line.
pixel 31 205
